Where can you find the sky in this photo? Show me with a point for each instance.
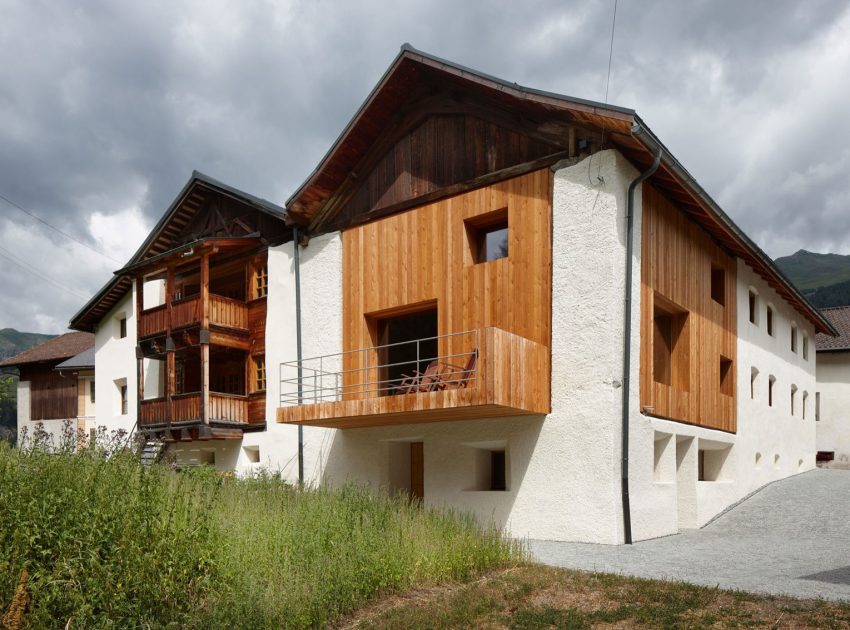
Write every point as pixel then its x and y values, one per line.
pixel 107 106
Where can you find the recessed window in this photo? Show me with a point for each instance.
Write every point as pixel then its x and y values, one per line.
pixel 491 468
pixel 805 403
pixel 805 347
pixel 817 406
pixel 793 338
pixel 122 327
pixel 718 285
pixel 261 281
pixel 771 382
pixel 488 236
pixel 123 400
pixel 260 373
pixel 711 463
pixel 754 302
pixel 793 398
pixel 727 377
pixel 776 460
pixel 758 460
pixel 252 454
pixel 769 320
pixel 670 345
pixel 753 378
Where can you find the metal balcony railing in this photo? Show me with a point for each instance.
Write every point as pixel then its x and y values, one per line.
pixel 408 367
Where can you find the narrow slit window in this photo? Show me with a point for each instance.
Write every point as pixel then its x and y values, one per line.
pixel 769 319
pixel 817 406
pixel 753 378
pixel 753 307
pixel 122 327
pixel 718 285
pixel 727 377
pixel 805 347
pixel 123 400
pixel 793 338
pixel 770 383
pixel 793 398
pixel 805 403
pixel 91 391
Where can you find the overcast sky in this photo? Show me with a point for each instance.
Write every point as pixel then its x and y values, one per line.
pixel 106 107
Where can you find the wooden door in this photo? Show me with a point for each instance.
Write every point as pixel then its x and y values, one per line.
pixel 417 473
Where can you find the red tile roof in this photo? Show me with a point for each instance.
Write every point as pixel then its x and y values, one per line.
pixel 62 347
pixel 838 316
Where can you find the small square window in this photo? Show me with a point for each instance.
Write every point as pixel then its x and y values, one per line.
pixel 488 236
pixel 718 285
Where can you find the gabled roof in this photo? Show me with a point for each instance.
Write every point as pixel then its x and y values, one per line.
pixel 176 217
pixel 62 347
pixel 839 317
pixel 624 130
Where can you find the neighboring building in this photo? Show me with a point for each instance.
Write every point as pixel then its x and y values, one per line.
pixel 56 385
pixel 832 400
pixel 458 292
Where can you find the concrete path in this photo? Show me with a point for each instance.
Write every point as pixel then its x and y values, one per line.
pixel 790 538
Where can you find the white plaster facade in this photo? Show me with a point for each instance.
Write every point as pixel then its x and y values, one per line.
pixel 115 366
pixel 833 426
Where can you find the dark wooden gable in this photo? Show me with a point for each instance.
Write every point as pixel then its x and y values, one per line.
pixel 445 141
pixel 222 217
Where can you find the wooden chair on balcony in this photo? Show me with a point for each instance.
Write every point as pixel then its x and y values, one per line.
pixel 451 376
pixel 418 382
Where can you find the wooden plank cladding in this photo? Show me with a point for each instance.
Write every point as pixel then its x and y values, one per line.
pixel 52 397
pixel 512 380
pixel 442 151
pixel 228 408
pixel 185 312
pixel 427 256
pixel 228 313
pixel 688 320
pixel 153 321
pixel 187 407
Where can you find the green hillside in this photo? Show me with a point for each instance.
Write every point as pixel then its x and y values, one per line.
pixel 823 278
pixel 13 342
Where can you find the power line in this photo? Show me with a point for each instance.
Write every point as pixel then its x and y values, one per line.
pixel 56 229
pixel 607 84
pixel 27 267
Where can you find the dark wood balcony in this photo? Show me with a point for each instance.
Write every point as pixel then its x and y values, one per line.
pixel 224 313
pixel 229 414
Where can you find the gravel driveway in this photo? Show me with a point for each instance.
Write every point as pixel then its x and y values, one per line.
pixel 790 538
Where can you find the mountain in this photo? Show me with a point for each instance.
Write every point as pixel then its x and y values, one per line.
pixel 13 342
pixel 823 278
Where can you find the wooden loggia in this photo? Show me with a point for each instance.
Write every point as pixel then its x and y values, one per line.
pixel 512 379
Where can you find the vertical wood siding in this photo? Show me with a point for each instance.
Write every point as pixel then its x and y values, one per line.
pixel 676 265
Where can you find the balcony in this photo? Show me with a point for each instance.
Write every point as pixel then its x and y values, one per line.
pixel 227 411
pixel 224 313
pixel 486 373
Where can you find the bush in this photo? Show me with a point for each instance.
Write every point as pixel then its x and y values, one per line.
pixel 108 542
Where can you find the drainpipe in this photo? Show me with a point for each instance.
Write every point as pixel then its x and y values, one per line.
pixel 296 237
pixel 627 336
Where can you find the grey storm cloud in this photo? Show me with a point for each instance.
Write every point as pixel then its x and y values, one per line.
pixel 106 107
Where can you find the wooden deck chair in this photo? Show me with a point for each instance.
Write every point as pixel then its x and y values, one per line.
pixel 453 376
pixel 419 381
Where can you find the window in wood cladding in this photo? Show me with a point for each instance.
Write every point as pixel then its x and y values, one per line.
pixel 261 281
pixel 770 321
pixel 805 403
pixel 718 285
pixel 754 313
pixel 670 345
pixel 754 372
pixel 771 381
pixel 487 235
pixel 793 398
pixel 122 328
pixel 805 347
pixel 727 376
pixel 793 338
pixel 259 380
pixel 407 343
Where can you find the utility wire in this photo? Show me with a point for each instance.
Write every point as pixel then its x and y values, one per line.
pixel 607 84
pixel 56 229
pixel 27 267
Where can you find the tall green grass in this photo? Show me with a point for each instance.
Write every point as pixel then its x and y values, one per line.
pixel 110 543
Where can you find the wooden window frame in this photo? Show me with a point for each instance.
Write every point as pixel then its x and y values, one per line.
pixel 477 229
pixel 258 374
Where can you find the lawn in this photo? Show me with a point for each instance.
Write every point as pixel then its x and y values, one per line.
pixel 533 596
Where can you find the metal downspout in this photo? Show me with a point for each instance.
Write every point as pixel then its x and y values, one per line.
pixel 627 338
pixel 296 237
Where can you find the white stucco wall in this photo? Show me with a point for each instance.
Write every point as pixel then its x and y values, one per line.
pixel 115 362
pixel 833 428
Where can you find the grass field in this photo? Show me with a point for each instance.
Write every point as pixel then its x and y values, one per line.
pixel 106 542
pixel 532 596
